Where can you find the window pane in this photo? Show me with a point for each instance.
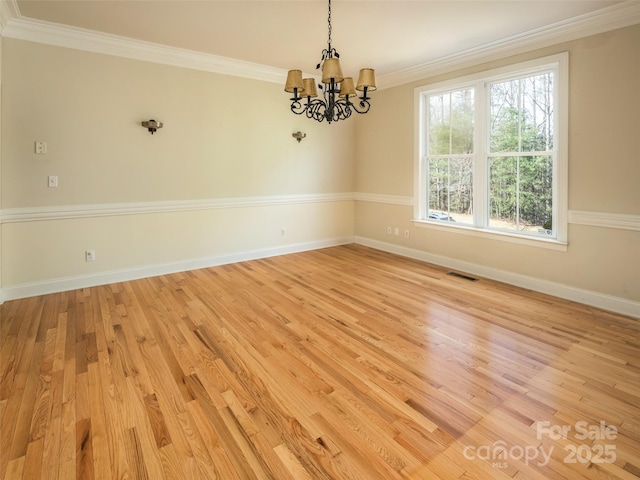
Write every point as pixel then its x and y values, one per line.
pixel 439 185
pixel 439 115
pixel 462 122
pixel 521 114
pixel 537 117
pixel 520 194
pixel 450 189
pixel 503 193
pixel 536 194
pixel 451 123
pixel 504 117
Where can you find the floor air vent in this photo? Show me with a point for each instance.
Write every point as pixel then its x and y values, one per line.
pixel 460 275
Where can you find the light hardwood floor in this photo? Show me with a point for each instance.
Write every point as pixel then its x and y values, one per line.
pixel 342 363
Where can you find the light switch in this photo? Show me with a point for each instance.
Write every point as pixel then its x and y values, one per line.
pixel 41 148
pixel 53 181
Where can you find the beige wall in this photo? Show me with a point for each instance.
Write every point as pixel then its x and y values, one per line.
pixel 228 137
pixel 604 172
pixel 224 138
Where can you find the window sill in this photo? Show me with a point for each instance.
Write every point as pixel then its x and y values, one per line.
pixel 551 244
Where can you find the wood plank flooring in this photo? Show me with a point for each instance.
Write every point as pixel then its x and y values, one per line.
pixel 338 364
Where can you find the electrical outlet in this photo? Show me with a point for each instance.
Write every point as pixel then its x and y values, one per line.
pixel 41 148
pixel 406 233
pixel 283 231
pixel 90 255
pixel 53 181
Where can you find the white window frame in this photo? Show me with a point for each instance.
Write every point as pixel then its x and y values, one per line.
pixel 560 65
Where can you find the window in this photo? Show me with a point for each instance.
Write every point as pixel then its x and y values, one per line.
pixel 491 153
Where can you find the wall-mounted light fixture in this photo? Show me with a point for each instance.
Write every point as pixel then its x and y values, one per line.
pixel 152 125
pixel 298 136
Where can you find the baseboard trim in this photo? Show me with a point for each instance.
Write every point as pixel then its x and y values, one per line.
pixel 588 297
pixel 567 292
pixel 85 281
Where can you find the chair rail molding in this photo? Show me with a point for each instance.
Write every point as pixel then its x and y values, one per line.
pixel 605 220
pixel 63 212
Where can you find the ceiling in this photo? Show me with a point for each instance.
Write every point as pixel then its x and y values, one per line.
pixel 388 35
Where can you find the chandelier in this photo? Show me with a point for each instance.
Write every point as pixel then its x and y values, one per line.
pixel 339 97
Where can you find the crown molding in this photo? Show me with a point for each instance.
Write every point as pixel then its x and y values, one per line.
pixel 8 11
pixel 14 25
pixel 611 18
pixel 23 28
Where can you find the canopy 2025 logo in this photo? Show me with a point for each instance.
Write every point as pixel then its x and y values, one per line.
pixel 588 452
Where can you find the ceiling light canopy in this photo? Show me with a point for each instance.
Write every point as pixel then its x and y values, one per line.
pixel 338 92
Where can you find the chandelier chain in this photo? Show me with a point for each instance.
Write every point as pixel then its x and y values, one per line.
pixel 329 23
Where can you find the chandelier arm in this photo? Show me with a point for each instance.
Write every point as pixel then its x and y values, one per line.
pixel 343 109
pixel 297 107
pixel 362 106
pixel 330 109
pixel 316 110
